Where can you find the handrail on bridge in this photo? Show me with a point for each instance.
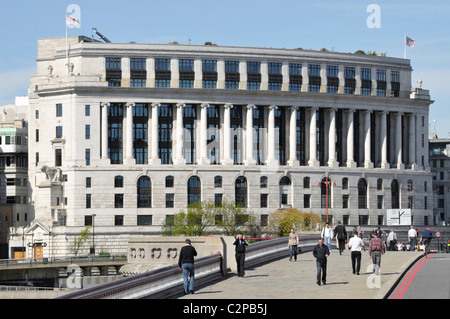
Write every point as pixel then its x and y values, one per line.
pixel 167 281
pixel 38 261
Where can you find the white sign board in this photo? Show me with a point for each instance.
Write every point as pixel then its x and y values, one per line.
pixel 397 217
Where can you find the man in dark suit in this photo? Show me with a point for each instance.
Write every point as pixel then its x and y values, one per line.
pixel 340 233
pixel 240 244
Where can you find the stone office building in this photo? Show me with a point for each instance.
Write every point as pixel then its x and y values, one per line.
pixel 128 134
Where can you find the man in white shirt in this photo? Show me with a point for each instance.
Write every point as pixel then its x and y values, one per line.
pixel 356 244
pixel 412 238
pixel 327 233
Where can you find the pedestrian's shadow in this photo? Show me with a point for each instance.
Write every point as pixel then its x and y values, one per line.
pixel 337 283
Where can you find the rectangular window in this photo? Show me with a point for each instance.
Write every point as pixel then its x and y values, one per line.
pixel 118 220
pixel 332 78
pixel 59 132
pixel 295 77
pixel 395 83
pixel 113 71
pixel 366 81
pixel 314 78
pixel 58 157
pixel 170 200
pixel 162 73
pixel 264 200
pixel 345 201
pixel 118 200
pixel 350 81
pixel 275 76
pixel 232 75
pixel 144 220
pixel 88 182
pixel 88 156
pixel 88 200
pixel 59 110
pixel 253 75
pixel 87 110
pixel 306 201
pixel 218 200
pixel 87 132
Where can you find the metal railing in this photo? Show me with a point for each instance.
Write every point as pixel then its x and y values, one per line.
pixel 49 261
pixel 160 283
pixel 167 281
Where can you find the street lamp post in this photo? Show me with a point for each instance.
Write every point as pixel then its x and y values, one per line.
pixel 93 234
pixel 327 183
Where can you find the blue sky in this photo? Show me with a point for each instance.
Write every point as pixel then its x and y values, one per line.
pixel 337 25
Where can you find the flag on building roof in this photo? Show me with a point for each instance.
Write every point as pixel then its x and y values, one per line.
pixel 72 21
pixel 410 42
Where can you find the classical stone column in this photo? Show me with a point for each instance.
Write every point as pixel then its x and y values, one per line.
pixel 129 133
pixel 271 161
pixel 398 139
pixel 204 160
pixel 367 147
pixel 179 159
pixel 104 107
pixel 313 139
pixel 293 137
pixel 332 162
pixel 412 141
pixel 154 159
pixel 249 160
pixel 227 160
pixel 384 162
pixel 350 160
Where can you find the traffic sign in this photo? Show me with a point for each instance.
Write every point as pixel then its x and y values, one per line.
pixel 438 234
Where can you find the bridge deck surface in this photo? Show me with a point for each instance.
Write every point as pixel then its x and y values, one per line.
pixel 283 279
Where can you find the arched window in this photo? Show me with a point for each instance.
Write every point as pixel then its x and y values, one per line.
pixel 263 182
pixel 144 192
pixel 362 193
pixel 285 181
pixel 306 182
pixel 285 188
pixel 240 189
pixel 118 181
pixel 380 184
pixel 169 181
pixel 218 181
pixel 395 194
pixel 345 183
pixel 194 190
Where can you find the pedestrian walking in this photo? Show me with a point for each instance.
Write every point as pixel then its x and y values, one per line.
pixel 186 264
pixel 293 244
pixel 341 235
pixel 360 232
pixel 376 249
pixel 321 253
pixel 327 234
pixel 356 244
pixel 412 238
pixel 392 240
pixel 240 244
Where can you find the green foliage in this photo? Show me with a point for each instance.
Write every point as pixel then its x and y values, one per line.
pixel 281 221
pixel 204 218
pixel 80 240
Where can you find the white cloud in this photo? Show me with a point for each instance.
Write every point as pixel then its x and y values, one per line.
pixel 14 83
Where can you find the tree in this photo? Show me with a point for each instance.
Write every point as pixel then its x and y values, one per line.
pixel 80 240
pixel 194 222
pixel 234 218
pixel 281 221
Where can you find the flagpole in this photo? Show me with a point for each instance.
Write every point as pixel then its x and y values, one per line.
pixel 405 47
pixel 67 48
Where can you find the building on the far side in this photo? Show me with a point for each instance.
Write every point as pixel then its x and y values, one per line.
pixel 440 167
pixel 13 173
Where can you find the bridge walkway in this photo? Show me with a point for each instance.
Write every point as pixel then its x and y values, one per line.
pixel 283 279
